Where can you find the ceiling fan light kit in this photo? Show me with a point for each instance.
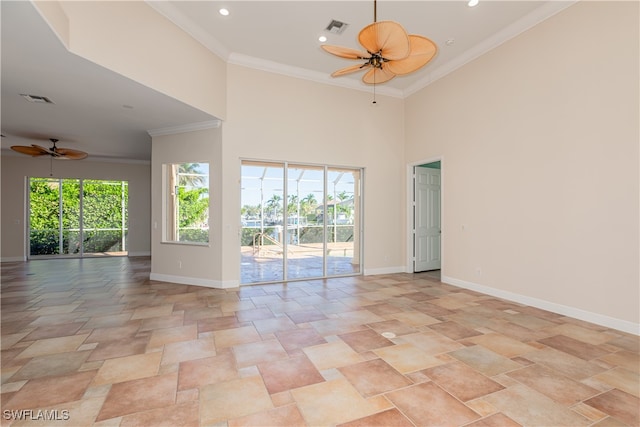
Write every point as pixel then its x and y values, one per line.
pixel 390 52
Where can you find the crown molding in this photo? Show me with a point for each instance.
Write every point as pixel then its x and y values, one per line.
pixel 513 30
pixel 191 127
pixel 303 73
pixel 520 26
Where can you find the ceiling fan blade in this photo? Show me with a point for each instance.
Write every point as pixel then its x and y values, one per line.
pixel 351 69
pixel 44 150
pixel 377 76
pixel 67 153
pixel 344 52
pixel 31 151
pixel 387 38
pixel 422 51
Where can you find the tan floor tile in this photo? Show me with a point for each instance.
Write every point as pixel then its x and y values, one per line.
pixel 48 391
pixel 9 340
pixel 574 347
pixel 588 411
pixel 431 342
pixel 51 365
pixel 128 368
pixel 119 348
pixel 622 379
pixel 148 312
pixel 506 346
pixel 407 358
pixel 230 337
pixel 332 355
pixel 623 406
pixel 182 414
pixel 80 413
pixel 481 407
pixel 427 404
pixel 545 361
pixel 462 381
pixel 374 377
pixel 361 316
pixel 288 415
pixel 553 384
pixel 208 370
pixel 624 359
pixel 188 350
pixel 139 395
pixel 319 407
pixel 53 345
pixel 365 340
pixel 414 318
pixel 495 420
pixel 129 330
pixel 287 374
pixel 160 337
pixel 485 361
pixel 528 407
pixel 233 399
pixel 388 418
pixel 259 352
pixel 569 365
pixel 580 333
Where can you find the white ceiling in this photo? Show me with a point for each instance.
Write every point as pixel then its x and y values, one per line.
pixel 91 110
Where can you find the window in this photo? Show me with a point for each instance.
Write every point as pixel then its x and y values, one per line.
pixel 299 221
pixel 186 202
pixel 77 217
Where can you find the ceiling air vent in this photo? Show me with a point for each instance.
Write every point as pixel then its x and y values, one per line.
pixel 36 98
pixel 336 27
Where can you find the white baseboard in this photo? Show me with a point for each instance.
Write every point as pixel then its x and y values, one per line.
pixel 386 270
pixel 196 281
pixel 13 259
pixel 587 316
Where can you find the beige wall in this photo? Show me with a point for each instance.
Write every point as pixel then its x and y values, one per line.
pixel 274 117
pixel 182 263
pixel 15 170
pixel 132 39
pixel 539 140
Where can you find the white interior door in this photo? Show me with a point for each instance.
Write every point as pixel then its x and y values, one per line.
pixel 427 219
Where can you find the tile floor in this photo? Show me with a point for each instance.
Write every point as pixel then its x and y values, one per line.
pixel 94 342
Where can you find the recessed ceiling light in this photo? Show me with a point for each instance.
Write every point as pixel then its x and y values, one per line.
pixel 473 3
pixel 224 12
pixel 322 39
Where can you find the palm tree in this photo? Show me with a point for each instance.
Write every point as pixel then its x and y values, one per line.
pixel 308 204
pixel 189 175
pixel 274 204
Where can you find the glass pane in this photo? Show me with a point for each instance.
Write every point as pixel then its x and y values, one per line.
pixel 343 221
pixel 44 216
pixel 105 217
pixel 70 216
pixel 186 209
pixel 262 210
pixel 305 233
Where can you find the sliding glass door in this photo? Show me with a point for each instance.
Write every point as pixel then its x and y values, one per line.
pixel 304 235
pixel 299 221
pixel 75 217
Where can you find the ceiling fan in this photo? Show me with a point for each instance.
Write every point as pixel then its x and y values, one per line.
pixel 390 51
pixel 55 152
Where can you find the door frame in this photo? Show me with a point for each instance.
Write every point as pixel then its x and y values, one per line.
pixel 410 197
